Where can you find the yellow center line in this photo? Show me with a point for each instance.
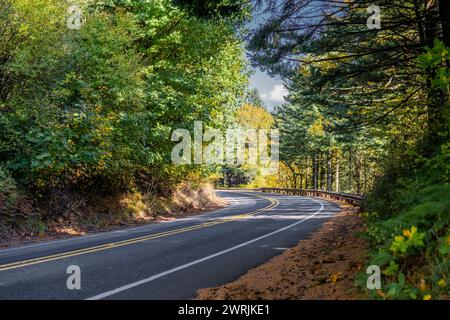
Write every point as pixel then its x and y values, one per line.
pixel 111 245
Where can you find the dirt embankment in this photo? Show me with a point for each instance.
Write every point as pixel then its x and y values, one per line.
pixel 69 215
pixel 321 267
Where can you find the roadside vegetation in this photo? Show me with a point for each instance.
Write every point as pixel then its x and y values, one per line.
pixel 86 114
pixel 368 112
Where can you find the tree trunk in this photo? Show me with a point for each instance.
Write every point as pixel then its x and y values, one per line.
pixel 321 172
pixel 294 177
pixel 329 172
pixel 315 173
pixel 435 11
pixel 307 174
pixel 350 170
pixel 358 173
pixel 336 177
pixel 444 17
pixel 302 168
pixel 364 188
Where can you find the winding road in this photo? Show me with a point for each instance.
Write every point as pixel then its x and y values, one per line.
pixel 169 260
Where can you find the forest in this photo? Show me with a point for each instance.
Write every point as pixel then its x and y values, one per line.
pixel 368 113
pixel 87 112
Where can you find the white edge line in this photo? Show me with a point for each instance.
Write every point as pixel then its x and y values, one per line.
pixel 187 265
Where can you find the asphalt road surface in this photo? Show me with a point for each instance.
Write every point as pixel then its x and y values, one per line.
pixel 169 260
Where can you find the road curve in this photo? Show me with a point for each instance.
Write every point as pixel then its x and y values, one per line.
pixel 170 260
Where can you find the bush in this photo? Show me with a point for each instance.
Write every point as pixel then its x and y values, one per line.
pixel 411 239
pixel 8 191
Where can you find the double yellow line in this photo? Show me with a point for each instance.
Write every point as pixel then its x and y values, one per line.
pixel 24 263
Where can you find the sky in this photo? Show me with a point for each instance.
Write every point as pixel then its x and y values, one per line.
pixel 270 89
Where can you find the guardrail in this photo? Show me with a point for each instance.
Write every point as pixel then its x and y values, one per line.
pixel 353 199
pixel 241 189
pixel 350 198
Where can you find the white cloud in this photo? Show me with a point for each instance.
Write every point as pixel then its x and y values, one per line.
pixel 277 94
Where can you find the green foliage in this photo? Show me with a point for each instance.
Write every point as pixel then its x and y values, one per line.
pixel 253 98
pixel 379 99
pixel 95 107
pixel 400 289
pixel 437 58
pixel 411 238
pixel 7 183
pixel 237 9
